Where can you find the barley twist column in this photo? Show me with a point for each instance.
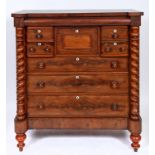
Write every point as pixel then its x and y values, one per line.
pixel 134 85
pixel 21 85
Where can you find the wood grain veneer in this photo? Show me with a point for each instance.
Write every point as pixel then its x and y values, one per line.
pixel 78 69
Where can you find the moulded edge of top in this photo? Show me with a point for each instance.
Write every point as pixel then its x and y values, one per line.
pixel 76 13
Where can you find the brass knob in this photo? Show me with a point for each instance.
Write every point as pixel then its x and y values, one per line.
pixel 41 65
pixel 47 49
pixel 114 35
pixel 114 64
pixel 122 49
pixel 108 49
pixel 114 84
pixel 114 106
pixel 77 59
pixel 39 36
pixel 41 106
pixel 77 97
pixel 41 84
pixel 31 49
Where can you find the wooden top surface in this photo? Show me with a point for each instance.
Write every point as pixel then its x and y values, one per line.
pixel 77 13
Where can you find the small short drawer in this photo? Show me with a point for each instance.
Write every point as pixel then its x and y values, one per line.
pixel 77 64
pixel 114 32
pixel 40 49
pixel 77 106
pixel 40 34
pixel 77 40
pixel 111 83
pixel 114 49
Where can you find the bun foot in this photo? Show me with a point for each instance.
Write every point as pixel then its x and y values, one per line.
pixel 135 138
pixel 20 138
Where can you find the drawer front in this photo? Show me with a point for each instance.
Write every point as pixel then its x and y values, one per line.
pixel 40 49
pixel 114 49
pixel 40 34
pixel 112 83
pixel 77 41
pixel 78 64
pixel 114 32
pixel 78 106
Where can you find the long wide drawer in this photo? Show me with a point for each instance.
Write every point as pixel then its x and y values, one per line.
pixel 112 83
pixel 78 106
pixel 79 64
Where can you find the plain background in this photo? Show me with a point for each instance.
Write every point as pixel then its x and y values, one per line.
pixel 46 142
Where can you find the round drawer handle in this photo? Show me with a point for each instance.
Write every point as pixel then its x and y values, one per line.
pixel 41 65
pixel 114 107
pixel 114 84
pixel 108 49
pixel 77 31
pixel 114 35
pixel 114 64
pixel 47 49
pixel 41 106
pixel 77 59
pixel 77 77
pixel 41 84
pixel 31 49
pixel 122 49
pixel 39 36
pixel 77 97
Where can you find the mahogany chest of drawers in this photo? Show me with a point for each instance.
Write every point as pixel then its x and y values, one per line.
pixel 77 70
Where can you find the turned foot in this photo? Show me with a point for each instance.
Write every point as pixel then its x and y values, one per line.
pixel 135 141
pixel 20 138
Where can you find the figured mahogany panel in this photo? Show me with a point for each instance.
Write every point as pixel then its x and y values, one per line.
pixel 40 49
pixel 78 123
pixel 77 64
pixel 114 33
pixel 77 40
pixel 112 83
pixel 40 34
pixel 77 106
pixel 114 49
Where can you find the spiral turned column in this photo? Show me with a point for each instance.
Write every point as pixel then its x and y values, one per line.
pixel 134 73
pixel 134 87
pixel 20 73
pixel 21 82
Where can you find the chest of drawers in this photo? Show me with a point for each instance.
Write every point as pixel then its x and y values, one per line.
pixel 78 70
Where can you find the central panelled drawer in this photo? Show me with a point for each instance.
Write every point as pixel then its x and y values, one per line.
pixel 113 83
pixel 77 40
pixel 77 64
pixel 77 106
